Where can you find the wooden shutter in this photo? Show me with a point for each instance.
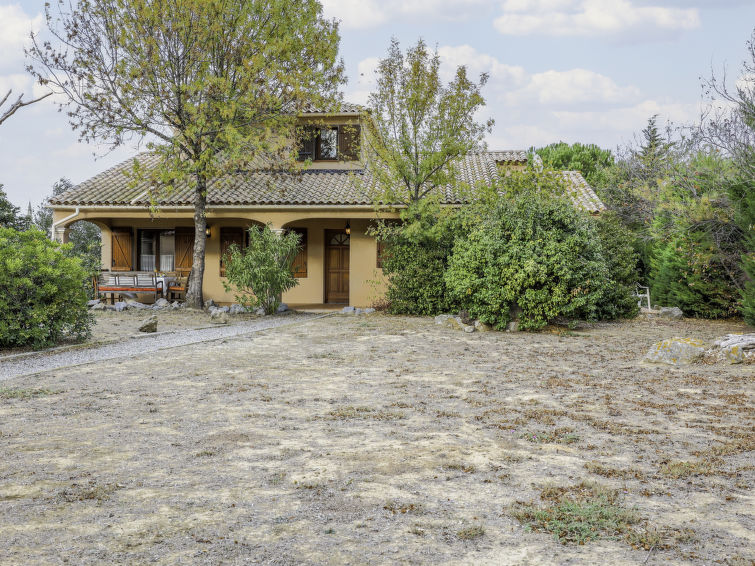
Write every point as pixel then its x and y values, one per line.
pixel 229 236
pixel 348 142
pixel 299 266
pixel 307 144
pixel 184 251
pixel 121 250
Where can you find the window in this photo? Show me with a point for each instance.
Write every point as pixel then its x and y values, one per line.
pixel 299 265
pixel 228 237
pixel 336 143
pixel 156 250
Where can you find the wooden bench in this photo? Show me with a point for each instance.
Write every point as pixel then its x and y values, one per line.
pixel 119 283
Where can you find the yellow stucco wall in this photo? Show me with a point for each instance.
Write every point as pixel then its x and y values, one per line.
pixel 366 281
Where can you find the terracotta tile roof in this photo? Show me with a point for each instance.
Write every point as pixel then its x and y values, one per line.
pixel 316 187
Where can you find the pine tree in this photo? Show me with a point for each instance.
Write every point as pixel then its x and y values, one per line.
pixel 654 153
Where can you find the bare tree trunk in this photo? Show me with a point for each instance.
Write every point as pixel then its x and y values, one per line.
pixel 194 297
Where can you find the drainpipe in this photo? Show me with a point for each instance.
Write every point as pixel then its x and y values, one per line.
pixel 55 224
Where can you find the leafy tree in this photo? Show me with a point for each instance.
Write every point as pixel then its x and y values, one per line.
pixel 9 213
pixel 43 298
pixel 654 153
pixel 620 253
pixel 261 272
pixel 215 85
pixel 420 127
pixel 589 159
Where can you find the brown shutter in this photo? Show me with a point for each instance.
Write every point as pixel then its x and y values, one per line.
pixel 307 144
pixel 121 250
pixel 229 236
pixel 348 142
pixel 299 266
pixel 380 254
pixel 184 251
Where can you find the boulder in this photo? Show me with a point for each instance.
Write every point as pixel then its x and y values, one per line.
pixel 98 306
pixel 208 304
pixel 733 348
pixel 161 303
pixel 121 306
pixel 132 304
pixel 482 327
pixel 465 317
pixel 149 325
pixel 93 302
pixel 260 311
pixel 512 326
pixel 218 316
pixel 676 351
pixel 369 310
pixel 442 318
pixel 283 307
pixel 468 328
pixel 348 310
pixel 672 313
pixel 236 309
pixel 176 305
pixel 454 323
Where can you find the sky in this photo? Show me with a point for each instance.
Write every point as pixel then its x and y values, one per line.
pixel 590 71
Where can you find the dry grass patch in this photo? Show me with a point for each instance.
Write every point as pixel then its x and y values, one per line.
pixel 11 393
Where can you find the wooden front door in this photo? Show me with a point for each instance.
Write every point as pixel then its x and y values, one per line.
pixel 336 266
pixel 122 250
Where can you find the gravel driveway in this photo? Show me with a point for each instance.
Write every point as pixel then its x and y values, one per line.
pixel 17 366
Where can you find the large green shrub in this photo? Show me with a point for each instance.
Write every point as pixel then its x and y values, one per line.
pixel 261 272
pixel 535 253
pixel 42 297
pixel 742 193
pixel 416 257
pixel 618 246
pixel 686 273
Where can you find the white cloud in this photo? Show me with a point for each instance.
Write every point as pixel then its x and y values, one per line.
pixel 15 27
pixel 548 106
pixel 616 19
pixel 372 13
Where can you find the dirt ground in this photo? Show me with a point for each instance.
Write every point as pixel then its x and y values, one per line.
pixel 378 440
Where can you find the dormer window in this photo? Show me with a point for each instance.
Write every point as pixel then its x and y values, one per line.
pixel 332 143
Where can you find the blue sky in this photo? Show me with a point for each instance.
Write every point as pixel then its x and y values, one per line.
pixel 591 71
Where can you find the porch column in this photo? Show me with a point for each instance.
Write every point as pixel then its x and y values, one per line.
pixel 60 234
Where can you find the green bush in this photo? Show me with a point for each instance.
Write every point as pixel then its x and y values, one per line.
pixel 685 273
pixel 742 193
pixel 416 257
pixel 618 246
pixel 534 252
pixel 261 272
pixel 43 297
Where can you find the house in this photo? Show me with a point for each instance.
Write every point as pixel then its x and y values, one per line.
pixel 328 204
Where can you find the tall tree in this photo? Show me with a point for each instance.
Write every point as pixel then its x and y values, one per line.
pixel 654 153
pixel 9 213
pixel 215 84
pixel 420 127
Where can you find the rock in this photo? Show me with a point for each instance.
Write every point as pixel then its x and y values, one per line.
pixel 348 310
pixel 176 305
pixel 110 308
pixel 219 317
pixel 512 326
pixel 465 317
pixel 482 327
pixel 121 306
pixel 369 310
pixel 260 311
pixel 161 303
pixel 733 348
pixel 98 306
pixel 676 351
pixel 673 313
pixel 208 304
pixel 132 304
pixel 91 303
pixel 236 309
pixel 149 325
pixel 442 318
pixel 283 307
pixel 454 323
pixel 468 328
